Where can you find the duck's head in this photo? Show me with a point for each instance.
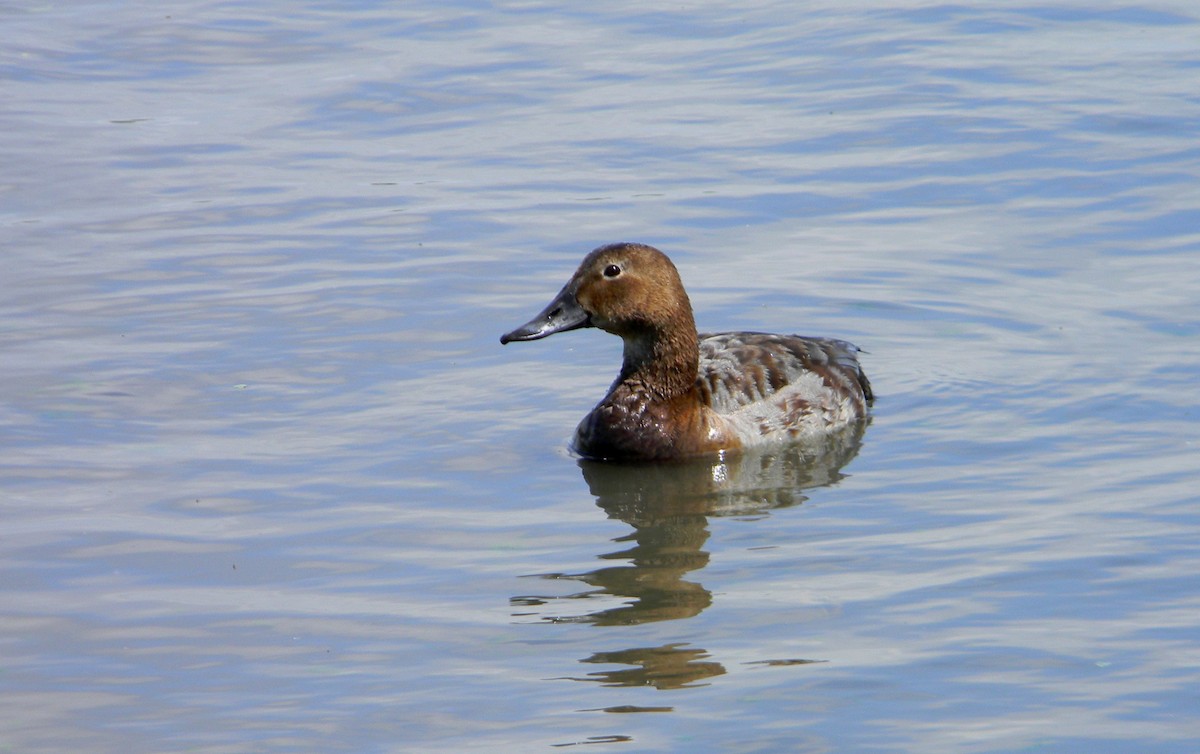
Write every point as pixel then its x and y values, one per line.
pixel 628 289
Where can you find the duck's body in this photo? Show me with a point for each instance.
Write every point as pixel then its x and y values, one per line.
pixel 681 394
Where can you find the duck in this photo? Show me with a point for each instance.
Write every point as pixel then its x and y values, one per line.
pixel 681 393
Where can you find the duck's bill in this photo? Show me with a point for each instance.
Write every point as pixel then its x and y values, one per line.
pixel 562 314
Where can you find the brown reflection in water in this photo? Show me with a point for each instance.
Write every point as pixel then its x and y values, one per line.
pixel 671 666
pixel 596 740
pixel 668 505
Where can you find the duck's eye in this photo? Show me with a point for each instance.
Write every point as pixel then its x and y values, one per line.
pixel 612 271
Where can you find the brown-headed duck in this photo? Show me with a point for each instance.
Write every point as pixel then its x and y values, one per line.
pixel 680 393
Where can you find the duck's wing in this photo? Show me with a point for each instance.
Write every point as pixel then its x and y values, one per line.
pixel 742 368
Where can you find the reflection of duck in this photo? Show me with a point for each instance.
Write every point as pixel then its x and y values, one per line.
pixel 742 483
pixel 681 394
pixel 668 506
pixel 671 666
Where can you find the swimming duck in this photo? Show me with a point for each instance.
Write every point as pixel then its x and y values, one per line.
pixel 681 393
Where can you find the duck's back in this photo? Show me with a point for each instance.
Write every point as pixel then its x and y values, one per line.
pixel 767 386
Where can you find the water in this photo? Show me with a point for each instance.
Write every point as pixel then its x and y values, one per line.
pixel 269 482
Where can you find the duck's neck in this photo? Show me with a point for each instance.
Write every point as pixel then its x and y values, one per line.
pixel 651 406
pixel 662 365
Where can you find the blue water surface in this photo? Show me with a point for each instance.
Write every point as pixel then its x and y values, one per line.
pixel 270 483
